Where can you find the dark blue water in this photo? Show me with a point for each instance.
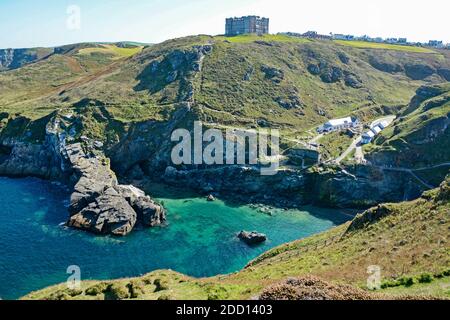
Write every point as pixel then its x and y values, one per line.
pixel 35 250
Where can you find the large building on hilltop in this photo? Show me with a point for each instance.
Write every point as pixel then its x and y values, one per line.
pixel 248 24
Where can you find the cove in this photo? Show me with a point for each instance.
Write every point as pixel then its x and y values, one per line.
pixel 199 240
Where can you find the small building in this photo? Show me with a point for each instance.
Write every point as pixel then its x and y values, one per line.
pixel 244 25
pixel 338 124
pixel 376 130
pixel 391 40
pixel 382 125
pixel 367 137
pixel 315 35
pixel 339 36
pixel 436 44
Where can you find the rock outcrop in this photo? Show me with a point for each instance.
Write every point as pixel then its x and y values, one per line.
pixel 16 58
pixel 252 238
pixel 100 205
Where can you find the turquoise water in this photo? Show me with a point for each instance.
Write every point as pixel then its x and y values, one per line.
pixel 35 249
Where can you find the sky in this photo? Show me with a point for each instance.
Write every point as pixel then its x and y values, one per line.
pixel 30 23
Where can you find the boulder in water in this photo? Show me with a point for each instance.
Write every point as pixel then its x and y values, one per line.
pixel 252 238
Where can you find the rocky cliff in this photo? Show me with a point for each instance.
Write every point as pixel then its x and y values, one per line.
pixel 419 138
pixel 16 58
pixel 117 113
pixel 98 202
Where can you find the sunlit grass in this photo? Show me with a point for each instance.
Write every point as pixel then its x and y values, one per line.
pixel 247 38
pixel 111 49
pixel 374 45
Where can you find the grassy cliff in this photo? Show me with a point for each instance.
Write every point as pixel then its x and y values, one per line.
pixel 287 82
pixel 131 96
pixel 420 135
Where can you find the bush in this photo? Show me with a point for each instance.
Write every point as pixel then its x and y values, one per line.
pixel 406 281
pixel 161 285
pixel 74 292
pixel 425 278
pixel 96 289
pixel 135 288
pixel 59 295
pixel 443 274
pixel 117 292
pixel 390 284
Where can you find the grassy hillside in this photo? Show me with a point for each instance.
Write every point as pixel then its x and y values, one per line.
pixel 385 46
pixel 408 241
pixel 36 89
pixel 277 80
pixel 420 136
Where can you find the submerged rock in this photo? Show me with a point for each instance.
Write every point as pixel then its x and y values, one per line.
pixel 252 238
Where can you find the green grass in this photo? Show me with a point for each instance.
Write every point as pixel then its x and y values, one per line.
pixel 385 46
pixel 407 140
pixel 248 38
pixel 438 287
pixel 96 72
pixel 111 49
pixel 334 144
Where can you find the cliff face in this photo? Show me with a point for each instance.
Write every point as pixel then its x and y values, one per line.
pixel 16 58
pixel 419 137
pixel 98 203
pixel 124 108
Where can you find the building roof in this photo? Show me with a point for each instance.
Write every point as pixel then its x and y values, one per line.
pixel 384 123
pixel 338 122
pixel 368 134
pixel 376 130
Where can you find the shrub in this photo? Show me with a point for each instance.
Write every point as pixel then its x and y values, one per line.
pixel 425 278
pixel 74 292
pixel 135 288
pixel 96 289
pixel 117 292
pixel 406 281
pixel 59 295
pixel 161 285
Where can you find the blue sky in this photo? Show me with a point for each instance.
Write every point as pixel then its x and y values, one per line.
pixel 28 23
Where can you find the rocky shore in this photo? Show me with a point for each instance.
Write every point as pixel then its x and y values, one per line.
pixel 98 203
pixel 358 186
pixel 101 205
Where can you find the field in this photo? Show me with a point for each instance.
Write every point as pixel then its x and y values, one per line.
pixel 247 38
pixel 333 144
pixel 385 46
pixel 112 50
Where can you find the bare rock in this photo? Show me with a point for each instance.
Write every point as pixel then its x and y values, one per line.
pixel 252 238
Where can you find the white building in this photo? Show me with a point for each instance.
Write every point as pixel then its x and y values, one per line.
pixel 367 137
pixel 376 130
pixel 338 124
pixel 382 125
